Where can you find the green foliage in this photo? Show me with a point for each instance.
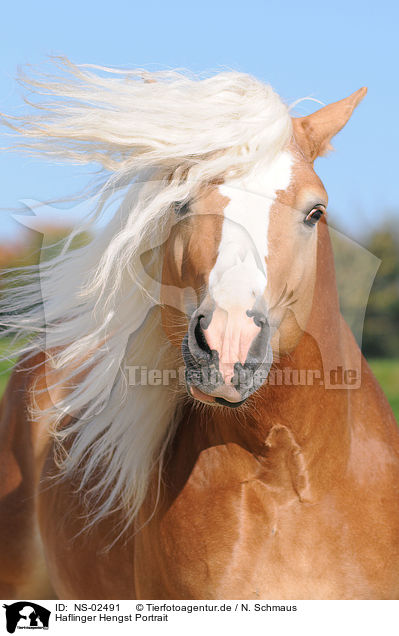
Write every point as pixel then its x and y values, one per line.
pixel 381 325
pixel 36 246
pixel 377 330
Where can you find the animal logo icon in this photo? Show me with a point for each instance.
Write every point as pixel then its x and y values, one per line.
pixel 26 615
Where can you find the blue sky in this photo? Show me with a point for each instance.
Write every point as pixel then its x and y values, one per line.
pixel 307 48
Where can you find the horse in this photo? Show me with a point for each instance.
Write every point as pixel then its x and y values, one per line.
pixel 157 441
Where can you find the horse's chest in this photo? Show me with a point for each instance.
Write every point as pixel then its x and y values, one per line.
pixel 248 542
pixel 230 534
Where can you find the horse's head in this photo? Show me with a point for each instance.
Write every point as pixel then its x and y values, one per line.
pixel 247 246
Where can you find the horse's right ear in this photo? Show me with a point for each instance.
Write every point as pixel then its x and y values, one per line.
pixel 314 132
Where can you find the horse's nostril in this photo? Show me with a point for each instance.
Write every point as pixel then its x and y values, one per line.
pixel 200 337
pixel 259 318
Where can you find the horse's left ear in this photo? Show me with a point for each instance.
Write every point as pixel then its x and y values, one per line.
pixel 314 132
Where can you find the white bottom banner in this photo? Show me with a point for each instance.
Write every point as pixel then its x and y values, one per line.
pixel 174 617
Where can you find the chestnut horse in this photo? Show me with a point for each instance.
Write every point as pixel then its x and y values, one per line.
pixel 118 482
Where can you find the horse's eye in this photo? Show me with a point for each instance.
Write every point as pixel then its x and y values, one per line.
pixel 181 208
pixel 313 216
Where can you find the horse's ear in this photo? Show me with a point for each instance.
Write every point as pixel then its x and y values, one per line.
pixel 314 132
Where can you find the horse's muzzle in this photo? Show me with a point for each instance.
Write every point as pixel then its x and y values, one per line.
pixel 227 354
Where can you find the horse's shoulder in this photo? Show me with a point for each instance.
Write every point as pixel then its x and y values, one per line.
pixel 19 433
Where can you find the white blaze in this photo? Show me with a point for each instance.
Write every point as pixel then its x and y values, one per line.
pixel 240 272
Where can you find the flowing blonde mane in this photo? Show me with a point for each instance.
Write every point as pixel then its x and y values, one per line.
pixel 156 136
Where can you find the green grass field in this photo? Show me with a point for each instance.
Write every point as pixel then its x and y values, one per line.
pixel 386 372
